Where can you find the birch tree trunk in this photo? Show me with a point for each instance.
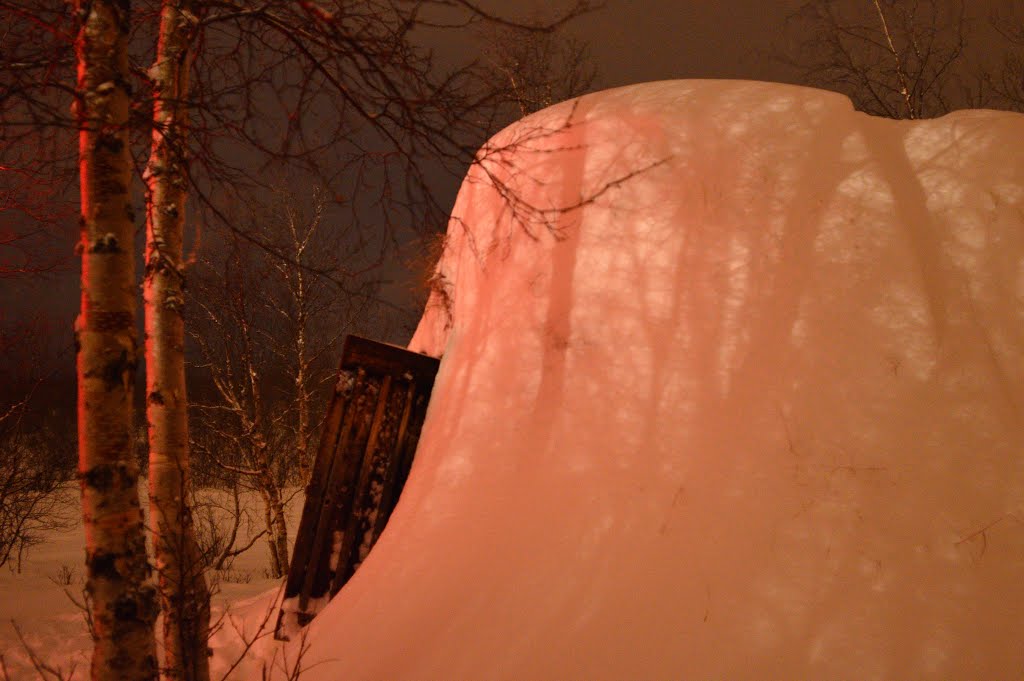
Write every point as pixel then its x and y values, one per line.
pixel 302 396
pixel 123 604
pixel 184 597
pixel 277 526
pixel 297 282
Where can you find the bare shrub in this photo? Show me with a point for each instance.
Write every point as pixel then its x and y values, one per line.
pixel 29 487
pixel 224 528
pixel 65 575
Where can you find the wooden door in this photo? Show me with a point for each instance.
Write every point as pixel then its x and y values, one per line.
pixel 366 450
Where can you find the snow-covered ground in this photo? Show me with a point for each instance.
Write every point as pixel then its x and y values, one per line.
pixel 40 600
pixel 755 409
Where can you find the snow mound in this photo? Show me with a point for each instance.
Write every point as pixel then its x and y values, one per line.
pixel 732 387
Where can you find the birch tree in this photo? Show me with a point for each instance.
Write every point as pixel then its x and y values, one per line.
pixel 1008 83
pixel 123 603
pixel 908 58
pixel 533 70
pixel 244 433
pixel 184 597
pixel 267 331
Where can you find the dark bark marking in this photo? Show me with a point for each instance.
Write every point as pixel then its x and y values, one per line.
pixel 105 244
pixel 105 477
pixel 103 565
pixel 118 371
pixel 98 320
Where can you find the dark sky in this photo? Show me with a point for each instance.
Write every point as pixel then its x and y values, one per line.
pixel 642 40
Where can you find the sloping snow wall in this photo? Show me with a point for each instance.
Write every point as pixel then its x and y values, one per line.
pixel 732 387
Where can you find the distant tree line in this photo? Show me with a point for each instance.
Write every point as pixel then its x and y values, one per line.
pixel 910 58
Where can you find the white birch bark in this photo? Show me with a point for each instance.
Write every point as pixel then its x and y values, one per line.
pixel 184 597
pixel 122 599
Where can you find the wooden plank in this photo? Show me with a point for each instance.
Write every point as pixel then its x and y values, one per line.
pixel 408 449
pixel 349 540
pixel 365 452
pixel 371 489
pixel 390 490
pixel 321 466
pixel 354 460
pixel 319 479
pixel 329 501
pixel 383 358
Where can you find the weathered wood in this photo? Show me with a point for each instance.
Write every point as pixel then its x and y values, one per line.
pixel 372 490
pixel 320 502
pixel 408 451
pixel 318 479
pixel 337 502
pixel 389 492
pixel 385 359
pixel 366 450
pixel 350 538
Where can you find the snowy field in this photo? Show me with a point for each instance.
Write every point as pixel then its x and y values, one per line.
pixel 39 599
pixel 733 388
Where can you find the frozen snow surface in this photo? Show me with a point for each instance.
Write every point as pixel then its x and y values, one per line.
pixel 44 600
pixel 754 410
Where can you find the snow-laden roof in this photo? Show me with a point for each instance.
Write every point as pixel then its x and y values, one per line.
pixel 752 406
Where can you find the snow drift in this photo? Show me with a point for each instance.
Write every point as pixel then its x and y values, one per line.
pixel 732 387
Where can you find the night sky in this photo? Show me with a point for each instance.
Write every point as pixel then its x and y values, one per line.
pixel 635 41
pixel 643 40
